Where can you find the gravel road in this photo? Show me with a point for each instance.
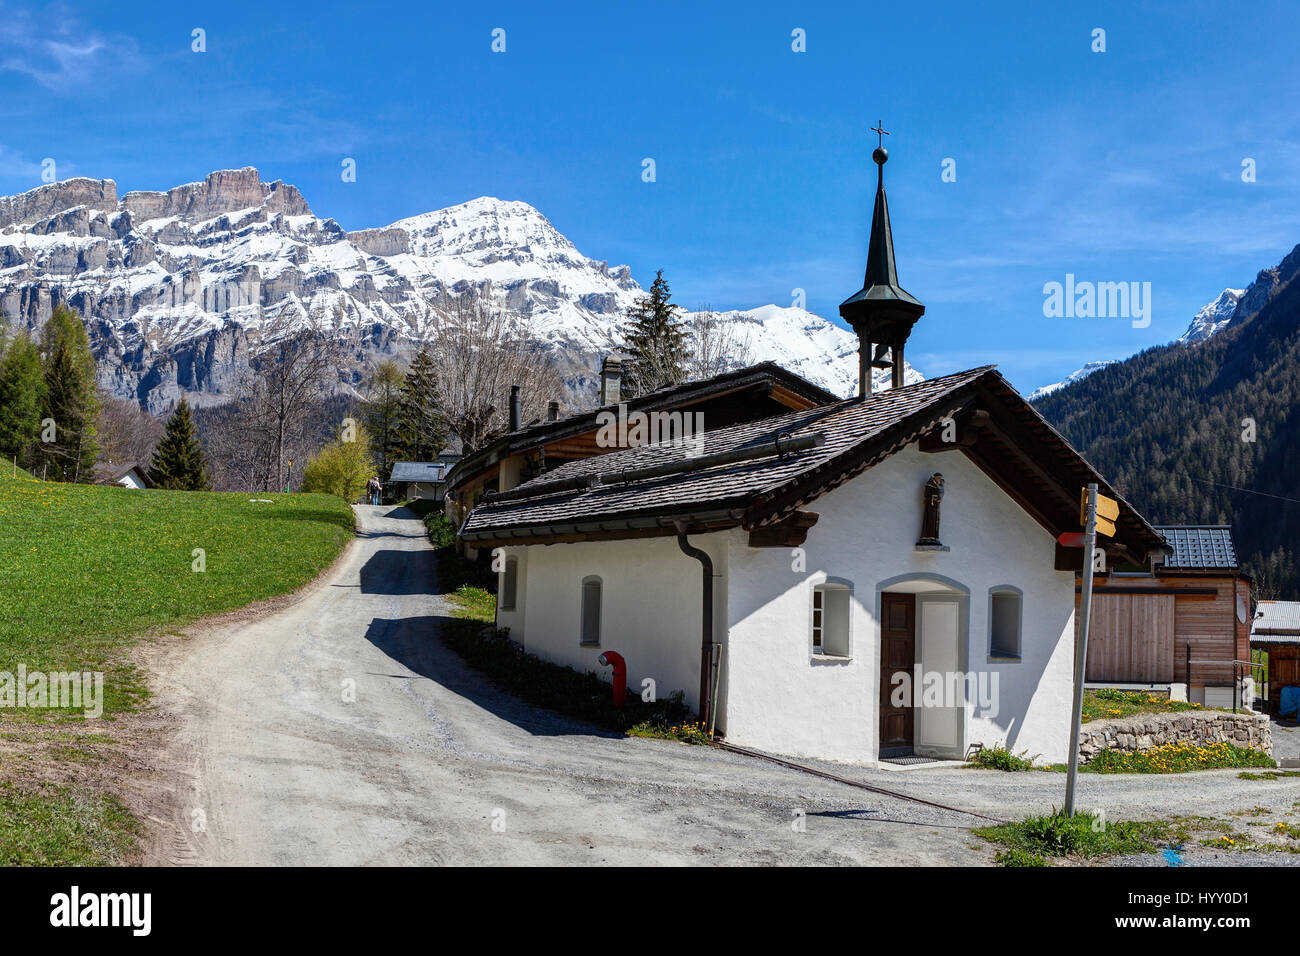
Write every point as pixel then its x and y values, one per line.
pixel 338 730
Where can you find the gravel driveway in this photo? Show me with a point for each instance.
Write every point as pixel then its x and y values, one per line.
pixel 339 730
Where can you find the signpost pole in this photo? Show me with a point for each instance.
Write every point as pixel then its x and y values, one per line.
pixel 1081 647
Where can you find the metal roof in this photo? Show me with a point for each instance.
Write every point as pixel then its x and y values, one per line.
pixel 418 470
pixel 1278 623
pixel 1199 546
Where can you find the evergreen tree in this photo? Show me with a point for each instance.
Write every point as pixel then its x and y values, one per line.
pixel 382 413
pixel 178 461
pixel 422 429
pixel 22 397
pixel 1206 433
pixel 71 399
pixel 656 340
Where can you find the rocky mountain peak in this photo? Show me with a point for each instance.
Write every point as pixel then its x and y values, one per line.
pixel 179 287
pixel 1213 317
pixel 223 191
pixel 1267 284
pixel 47 201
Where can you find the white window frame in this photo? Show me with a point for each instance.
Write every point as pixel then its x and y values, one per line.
pixel 817 606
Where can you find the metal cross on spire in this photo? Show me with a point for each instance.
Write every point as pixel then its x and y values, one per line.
pixel 880 132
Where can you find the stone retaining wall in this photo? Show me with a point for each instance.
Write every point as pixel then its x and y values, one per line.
pixel 1196 728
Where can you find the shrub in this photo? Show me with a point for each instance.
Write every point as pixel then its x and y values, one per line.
pixel 441 531
pixel 555 687
pixel 1083 835
pixel 1000 758
pixel 342 467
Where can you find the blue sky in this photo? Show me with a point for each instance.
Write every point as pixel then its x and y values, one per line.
pixel 1117 166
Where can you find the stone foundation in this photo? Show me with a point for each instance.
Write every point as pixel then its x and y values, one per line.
pixel 1196 728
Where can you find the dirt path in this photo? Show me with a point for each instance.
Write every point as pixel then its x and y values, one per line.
pixel 337 729
pixel 271 762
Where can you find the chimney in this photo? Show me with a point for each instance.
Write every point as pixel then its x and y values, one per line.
pixel 882 313
pixel 611 379
pixel 515 415
pixel 552 411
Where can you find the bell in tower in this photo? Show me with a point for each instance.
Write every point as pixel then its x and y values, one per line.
pixel 882 313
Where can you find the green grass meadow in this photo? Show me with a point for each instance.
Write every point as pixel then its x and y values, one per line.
pixel 85 571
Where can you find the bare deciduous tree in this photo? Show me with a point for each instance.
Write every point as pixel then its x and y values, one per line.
pixel 480 350
pixel 127 433
pixel 716 344
pixel 293 371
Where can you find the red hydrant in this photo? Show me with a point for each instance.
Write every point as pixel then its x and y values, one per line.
pixel 615 660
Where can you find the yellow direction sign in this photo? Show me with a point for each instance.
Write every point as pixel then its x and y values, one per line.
pixel 1107 512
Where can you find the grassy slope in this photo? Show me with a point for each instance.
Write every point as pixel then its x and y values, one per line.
pixel 86 570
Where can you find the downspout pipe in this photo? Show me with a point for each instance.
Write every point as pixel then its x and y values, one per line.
pixel 706 622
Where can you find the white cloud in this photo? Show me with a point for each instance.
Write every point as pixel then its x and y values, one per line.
pixel 56 51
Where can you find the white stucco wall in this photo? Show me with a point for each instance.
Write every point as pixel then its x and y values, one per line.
pixel 775 694
pixel 650 607
pixel 780 698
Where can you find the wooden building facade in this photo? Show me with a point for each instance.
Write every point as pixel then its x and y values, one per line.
pixel 1182 626
pixel 1276 632
pixel 528 451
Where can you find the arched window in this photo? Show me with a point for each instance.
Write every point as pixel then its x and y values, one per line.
pixel 510 584
pixel 591 587
pixel 1004 622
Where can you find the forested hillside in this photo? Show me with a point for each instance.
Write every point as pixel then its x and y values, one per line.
pixel 1208 433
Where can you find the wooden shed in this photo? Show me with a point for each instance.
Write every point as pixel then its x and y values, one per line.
pixel 1276 631
pixel 1182 626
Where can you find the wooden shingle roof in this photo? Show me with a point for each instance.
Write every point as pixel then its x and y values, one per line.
pixel 670 398
pixel 599 501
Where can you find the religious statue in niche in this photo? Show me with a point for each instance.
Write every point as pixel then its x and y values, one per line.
pixel 933 494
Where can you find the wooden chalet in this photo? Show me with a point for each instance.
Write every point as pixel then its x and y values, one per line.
pixel 1182 626
pixel 525 452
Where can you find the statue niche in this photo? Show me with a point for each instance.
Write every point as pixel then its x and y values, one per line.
pixel 932 494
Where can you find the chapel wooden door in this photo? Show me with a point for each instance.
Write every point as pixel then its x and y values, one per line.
pixel 897 653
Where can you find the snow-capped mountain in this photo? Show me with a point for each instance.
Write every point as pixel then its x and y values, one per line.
pixel 806 344
pixel 1070 379
pixel 178 288
pixel 1213 317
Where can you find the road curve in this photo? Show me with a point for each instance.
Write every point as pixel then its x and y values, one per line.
pixel 340 731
